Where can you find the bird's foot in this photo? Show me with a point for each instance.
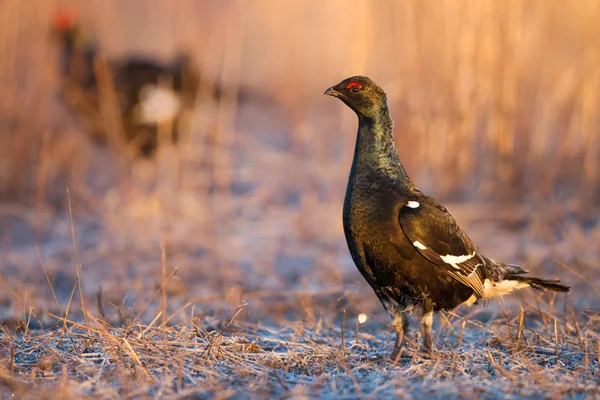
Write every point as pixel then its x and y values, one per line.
pixel 402 350
pixel 397 354
pixel 427 348
pixel 419 352
pixel 427 352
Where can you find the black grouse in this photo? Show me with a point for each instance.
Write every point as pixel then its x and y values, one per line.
pixel 148 93
pixel 405 243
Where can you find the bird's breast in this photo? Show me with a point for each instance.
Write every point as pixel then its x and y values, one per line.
pixel 370 213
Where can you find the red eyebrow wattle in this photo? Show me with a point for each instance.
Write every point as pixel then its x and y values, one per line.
pixel 353 84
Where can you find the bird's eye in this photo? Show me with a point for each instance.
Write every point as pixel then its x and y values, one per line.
pixel 354 86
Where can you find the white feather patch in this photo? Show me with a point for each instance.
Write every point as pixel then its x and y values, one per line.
pixel 427 319
pixel 470 301
pixel 413 204
pixel 419 245
pixel 495 289
pixel 157 105
pixel 455 260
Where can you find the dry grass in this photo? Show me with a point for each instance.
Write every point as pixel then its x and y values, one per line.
pixel 220 270
pixel 187 361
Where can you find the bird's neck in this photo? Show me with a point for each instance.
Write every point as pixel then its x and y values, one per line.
pixel 375 148
pixel 78 57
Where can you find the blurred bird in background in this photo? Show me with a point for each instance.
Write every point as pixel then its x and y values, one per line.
pixel 148 95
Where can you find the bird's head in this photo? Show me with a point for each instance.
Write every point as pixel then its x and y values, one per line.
pixel 65 26
pixel 65 19
pixel 361 94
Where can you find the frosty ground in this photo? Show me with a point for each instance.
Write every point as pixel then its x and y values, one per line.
pixel 280 323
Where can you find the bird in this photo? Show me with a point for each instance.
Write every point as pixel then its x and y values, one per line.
pixel 148 93
pixel 406 244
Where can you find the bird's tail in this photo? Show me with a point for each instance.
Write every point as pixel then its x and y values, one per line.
pixel 510 269
pixel 505 278
pixel 538 283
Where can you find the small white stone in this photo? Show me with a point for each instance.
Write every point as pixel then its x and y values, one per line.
pixel 413 204
pixel 419 245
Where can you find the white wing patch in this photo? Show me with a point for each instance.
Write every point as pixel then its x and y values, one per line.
pixel 419 245
pixel 413 204
pixel 455 260
pixel 158 104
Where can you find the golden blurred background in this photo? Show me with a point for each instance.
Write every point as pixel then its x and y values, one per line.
pixel 496 108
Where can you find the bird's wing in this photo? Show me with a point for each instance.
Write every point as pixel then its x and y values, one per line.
pixel 433 232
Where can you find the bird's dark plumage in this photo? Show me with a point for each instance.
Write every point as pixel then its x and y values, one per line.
pixel 405 243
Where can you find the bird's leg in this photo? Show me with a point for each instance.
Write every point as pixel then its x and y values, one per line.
pixel 400 326
pixel 426 323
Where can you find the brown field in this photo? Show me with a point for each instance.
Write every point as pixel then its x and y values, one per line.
pixel 219 268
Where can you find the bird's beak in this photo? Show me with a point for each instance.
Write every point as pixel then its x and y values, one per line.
pixel 332 92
